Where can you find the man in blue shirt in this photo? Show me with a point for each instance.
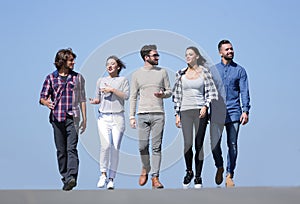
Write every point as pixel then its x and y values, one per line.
pixel 234 83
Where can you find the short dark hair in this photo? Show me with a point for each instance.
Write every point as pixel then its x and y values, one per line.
pixel 222 42
pixel 119 62
pixel 146 49
pixel 201 60
pixel 62 57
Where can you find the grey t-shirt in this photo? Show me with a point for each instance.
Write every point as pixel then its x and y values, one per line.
pixel 109 102
pixel 192 93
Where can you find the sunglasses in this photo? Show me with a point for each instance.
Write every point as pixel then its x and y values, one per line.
pixel 155 55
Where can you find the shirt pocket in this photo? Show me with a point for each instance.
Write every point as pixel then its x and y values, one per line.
pixel 71 86
pixel 234 84
pixel 57 87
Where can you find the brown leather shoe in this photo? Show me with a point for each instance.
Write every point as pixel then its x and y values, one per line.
pixel 143 177
pixel 229 182
pixel 219 176
pixel 155 183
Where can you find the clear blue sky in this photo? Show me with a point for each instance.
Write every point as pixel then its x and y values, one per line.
pixel 265 36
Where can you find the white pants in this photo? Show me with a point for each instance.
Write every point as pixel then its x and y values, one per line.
pixel 111 127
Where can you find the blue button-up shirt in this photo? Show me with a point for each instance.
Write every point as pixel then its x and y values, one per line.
pixel 236 87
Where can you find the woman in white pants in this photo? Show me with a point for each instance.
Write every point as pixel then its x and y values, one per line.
pixel 111 93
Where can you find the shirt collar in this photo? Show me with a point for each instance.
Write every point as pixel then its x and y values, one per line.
pixel 182 71
pixel 56 74
pixel 232 63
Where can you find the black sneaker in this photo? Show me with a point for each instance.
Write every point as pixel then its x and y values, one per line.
pixel 198 182
pixel 70 185
pixel 188 178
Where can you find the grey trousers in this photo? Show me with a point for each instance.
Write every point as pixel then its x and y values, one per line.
pixel 151 124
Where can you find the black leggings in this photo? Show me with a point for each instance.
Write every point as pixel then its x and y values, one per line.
pixel 190 119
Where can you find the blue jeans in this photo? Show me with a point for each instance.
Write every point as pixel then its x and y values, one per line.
pixel 232 131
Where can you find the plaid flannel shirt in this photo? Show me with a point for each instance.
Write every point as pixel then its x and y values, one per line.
pixel 210 90
pixel 66 95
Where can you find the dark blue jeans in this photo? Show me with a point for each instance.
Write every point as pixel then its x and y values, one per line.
pixel 66 139
pixel 232 131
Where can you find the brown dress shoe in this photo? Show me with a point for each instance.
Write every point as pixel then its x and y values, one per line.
pixel 229 182
pixel 156 184
pixel 219 176
pixel 143 177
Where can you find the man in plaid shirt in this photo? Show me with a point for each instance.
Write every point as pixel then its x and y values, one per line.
pixel 63 93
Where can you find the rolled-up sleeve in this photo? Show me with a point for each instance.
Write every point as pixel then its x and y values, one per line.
pixel 244 89
pixel 82 95
pixel 46 89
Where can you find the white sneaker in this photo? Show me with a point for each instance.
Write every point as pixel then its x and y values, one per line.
pixel 110 185
pixel 186 186
pixel 198 183
pixel 102 181
pixel 198 186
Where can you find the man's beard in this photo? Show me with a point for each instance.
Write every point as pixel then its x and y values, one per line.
pixel 152 62
pixel 228 58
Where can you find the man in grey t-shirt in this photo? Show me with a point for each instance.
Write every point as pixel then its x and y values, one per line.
pixel 149 84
